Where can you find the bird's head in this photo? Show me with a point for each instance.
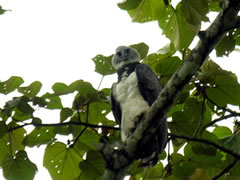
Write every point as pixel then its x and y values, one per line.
pixel 125 55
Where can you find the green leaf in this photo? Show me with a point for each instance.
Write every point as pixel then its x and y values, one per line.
pixel 11 142
pixel 3 129
pixel 184 169
pixel 167 67
pixel 199 174
pixel 142 49
pixel 59 87
pixel 168 50
pixel 61 162
pixel 23 105
pixel 210 70
pixel 214 5
pixel 93 167
pixel 97 113
pixel 2 11
pixel 177 29
pixel 222 132
pixel 65 113
pixel 39 101
pixel 10 85
pixel 148 10
pixel 232 142
pixel 129 4
pixel 225 91
pixel 39 136
pixel 62 130
pixel 203 160
pixel 155 172
pixel 186 121
pixel 103 65
pixel 225 46
pixel 18 167
pixel 32 90
pixel 53 101
pixel 204 149
pixel 87 141
pixel 196 9
pixel 234 172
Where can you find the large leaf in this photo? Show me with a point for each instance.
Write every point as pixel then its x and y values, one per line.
pixel 87 141
pixel 62 162
pixel 32 90
pixel 195 11
pixel 53 101
pixel 11 142
pixel 97 113
pixel 18 167
pixel 177 29
pixel 129 4
pixel 210 70
pixel 39 136
pixel 225 91
pixel 155 172
pixel 142 49
pixel 187 120
pixel 225 46
pixel 166 67
pixel 10 85
pixel 103 64
pixel 203 159
pixel 232 142
pixel 222 132
pixel 59 87
pixel 148 10
pixel 65 113
pixel 93 167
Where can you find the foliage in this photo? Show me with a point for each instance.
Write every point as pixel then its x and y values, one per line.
pixel 204 102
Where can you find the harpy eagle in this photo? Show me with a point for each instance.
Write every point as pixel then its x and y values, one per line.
pixel 131 96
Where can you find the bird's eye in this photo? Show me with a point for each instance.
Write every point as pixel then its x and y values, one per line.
pixel 127 51
pixel 119 54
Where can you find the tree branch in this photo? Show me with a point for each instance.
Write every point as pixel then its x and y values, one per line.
pixel 228 168
pixel 64 124
pixel 219 119
pixel 217 146
pixel 118 161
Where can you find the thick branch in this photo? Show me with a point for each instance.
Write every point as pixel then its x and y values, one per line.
pixel 118 161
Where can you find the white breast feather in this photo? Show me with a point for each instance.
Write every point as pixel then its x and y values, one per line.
pixel 131 102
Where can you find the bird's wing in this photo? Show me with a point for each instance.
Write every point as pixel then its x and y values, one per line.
pixel 148 83
pixel 116 109
pixel 150 87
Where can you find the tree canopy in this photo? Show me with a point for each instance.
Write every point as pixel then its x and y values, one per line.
pixel 198 94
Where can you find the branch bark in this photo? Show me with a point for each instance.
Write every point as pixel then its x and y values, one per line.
pixel 119 160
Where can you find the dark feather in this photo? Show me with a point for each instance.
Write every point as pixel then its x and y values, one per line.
pixel 150 88
pixel 116 109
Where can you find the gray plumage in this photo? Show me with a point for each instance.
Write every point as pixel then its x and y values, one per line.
pixel 131 96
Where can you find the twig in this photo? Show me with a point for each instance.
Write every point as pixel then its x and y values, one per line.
pixel 78 113
pixel 228 168
pixel 83 130
pixel 223 108
pixel 219 119
pixel 217 146
pixel 100 83
pixel 64 124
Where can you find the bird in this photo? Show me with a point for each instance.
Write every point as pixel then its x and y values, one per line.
pixel 132 96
